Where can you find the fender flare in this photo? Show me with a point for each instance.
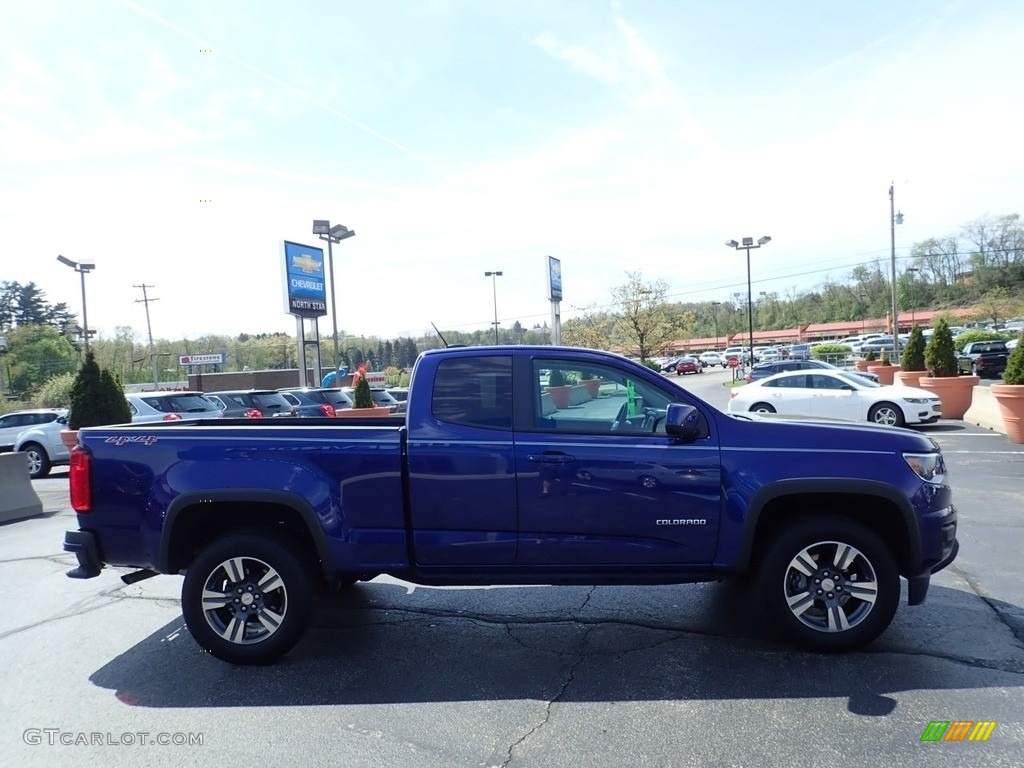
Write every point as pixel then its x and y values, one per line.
pixel 826 486
pixel 290 500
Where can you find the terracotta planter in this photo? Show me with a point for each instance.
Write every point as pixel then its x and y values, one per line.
pixel 955 392
pixel 861 365
pixel 1011 405
pixel 593 386
pixel 359 413
pixel 560 396
pixel 883 372
pixel 909 378
pixel 69 437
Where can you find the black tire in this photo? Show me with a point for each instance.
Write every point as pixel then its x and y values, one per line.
pixel 38 460
pixel 267 594
pixel 829 583
pixel 887 414
pixel 762 408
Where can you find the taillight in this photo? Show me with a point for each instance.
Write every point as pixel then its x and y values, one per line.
pixel 172 417
pixel 327 409
pixel 254 413
pixel 78 476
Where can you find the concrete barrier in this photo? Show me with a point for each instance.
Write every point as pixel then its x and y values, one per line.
pixel 17 496
pixel 984 411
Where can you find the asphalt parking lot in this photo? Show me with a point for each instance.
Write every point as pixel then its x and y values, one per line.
pixel 398 675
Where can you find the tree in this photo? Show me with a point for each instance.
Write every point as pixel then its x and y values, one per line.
pixel 363 398
pixel 645 324
pixel 940 354
pixel 913 352
pixel 96 398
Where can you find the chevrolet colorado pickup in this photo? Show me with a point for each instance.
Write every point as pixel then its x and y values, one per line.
pixel 494 476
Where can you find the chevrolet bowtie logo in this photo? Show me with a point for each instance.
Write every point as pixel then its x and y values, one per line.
pixel 306 263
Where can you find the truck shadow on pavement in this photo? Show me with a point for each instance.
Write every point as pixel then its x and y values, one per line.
pixel 387 643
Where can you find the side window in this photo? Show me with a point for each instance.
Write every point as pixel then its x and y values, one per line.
pixel 593 398
pixel 475 391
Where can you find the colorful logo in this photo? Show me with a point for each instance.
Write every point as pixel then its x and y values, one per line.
pixel 958 730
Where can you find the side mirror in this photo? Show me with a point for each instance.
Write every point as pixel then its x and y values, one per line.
pixel 683 422
pixel 61 419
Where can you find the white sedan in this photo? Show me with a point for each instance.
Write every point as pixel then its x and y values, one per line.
pixel 836 395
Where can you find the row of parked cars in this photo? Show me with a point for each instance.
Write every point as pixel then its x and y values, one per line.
pixel 36 432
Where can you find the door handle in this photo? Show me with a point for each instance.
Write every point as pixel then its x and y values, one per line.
pixel 551 458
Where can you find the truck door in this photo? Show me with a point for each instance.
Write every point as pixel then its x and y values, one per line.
pixel 462 480
pixel 599 482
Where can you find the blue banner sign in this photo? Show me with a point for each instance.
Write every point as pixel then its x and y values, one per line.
pixel 305 286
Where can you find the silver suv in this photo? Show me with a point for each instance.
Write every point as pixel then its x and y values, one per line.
pixel 170 406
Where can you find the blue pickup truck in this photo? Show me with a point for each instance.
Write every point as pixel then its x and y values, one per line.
pixel 517 465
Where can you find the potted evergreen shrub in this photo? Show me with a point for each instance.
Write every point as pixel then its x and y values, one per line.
pixel 1010 394
pixel 943 373
pixel 912 365
pixel 363 403
pixel 97 400
pixel 883 369
pixel 559 390
pixel 868 359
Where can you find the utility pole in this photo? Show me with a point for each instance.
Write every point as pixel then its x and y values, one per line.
pixel 152 355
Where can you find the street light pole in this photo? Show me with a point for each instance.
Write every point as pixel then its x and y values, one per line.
pixel 494 284
pixel 748 243
pixel 81 268
pixel 894 219
pixel 335 234
pixel 912 271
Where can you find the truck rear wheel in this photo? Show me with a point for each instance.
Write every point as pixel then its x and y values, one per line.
pixel 829 583
pixel 247 598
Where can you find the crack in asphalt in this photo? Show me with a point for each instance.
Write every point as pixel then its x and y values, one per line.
pixel 1018 634
pixel 569 678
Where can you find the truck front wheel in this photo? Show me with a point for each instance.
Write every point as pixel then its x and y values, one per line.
pixel 247 598
pixel 830 583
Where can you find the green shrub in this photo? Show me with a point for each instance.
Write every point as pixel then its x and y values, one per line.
pixel 870 356
pixel 979 334
pixel 885 358
pixel 652 365
pixel 913 352
pixel 556 379
pixel 823 351
pixel 363 398
pixel 1014 373
pixel 940 354
pixel 97 398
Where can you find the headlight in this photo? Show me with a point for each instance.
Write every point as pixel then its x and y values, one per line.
pixel 928 466
pixel 919 400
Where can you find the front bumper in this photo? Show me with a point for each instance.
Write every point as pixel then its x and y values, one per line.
pixel 917 586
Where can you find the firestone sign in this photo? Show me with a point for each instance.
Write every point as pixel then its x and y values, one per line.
pixel 216 358
pixel 304 285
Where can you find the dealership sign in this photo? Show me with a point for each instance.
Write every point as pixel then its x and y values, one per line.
pixel 305 289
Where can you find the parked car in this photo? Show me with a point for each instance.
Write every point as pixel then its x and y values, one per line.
pixel 877 345
pixel 401 394
pixel 327 400
pixel 381 398
pixel 712 358
pixel 800 351
pixel 688 365
pixel 251 403
pixel 14 423
pixel 670 365
pixel 740 353
pixel 836 395
pixel 764 370
pixel 170 406
pixel 44 446
pixel 984 358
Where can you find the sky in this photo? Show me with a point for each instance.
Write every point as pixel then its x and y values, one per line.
pixel 176 145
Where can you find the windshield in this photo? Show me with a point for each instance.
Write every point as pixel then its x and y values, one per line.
pixel 860 382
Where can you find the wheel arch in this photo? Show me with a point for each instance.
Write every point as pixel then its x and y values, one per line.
pixel 880 507
pixel 195 519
